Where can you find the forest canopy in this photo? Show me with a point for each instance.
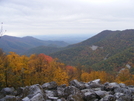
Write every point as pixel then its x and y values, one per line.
pixel 20 70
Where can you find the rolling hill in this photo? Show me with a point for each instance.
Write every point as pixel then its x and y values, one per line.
pixel 21 45
pixel 108 50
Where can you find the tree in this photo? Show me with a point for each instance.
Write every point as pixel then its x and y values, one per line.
pixel 15 66
pixel 85 77
pixel 98 75
pixel 72 73
pixel 3 70
pixel 123 76
pixel 1 30
pixel 60 76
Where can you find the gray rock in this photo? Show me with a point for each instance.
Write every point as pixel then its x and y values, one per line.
pixel 108 98
pixel 36 89
pixel 123 90
pixel 62 99
pixel 26 99
pixel 111 86
pixel 94 83
pixel 37 97
pixel 122 85
pixel 8 91
pixel 131 89
pixel 2 95
pixel 75 97
pixel 123 97
pixel 51 93
pixel 50 85
pixel 73 94
pixel 60 91
pixel 90 96
pixel 71 90
pixel 101 94
pixel 87 90
pixel 53 98
pixel 9 98
pixel 22 91
pixel 31 93
pixel 77 84
pixel 78 91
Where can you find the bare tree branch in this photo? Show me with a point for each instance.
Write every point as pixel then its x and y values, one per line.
pixel 1 30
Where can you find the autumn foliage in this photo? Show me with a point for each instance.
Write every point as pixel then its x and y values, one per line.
pixel 20 70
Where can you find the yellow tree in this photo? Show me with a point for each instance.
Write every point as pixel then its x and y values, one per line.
pixel 31 77
pixel 72 73
pixel 98 75
pixel 25 70
pixel 48 71
pixel 16 64
pixel 60 76
pixel 34 70
pixel 3 69
pixel 85 76
pixel 41 68
pixel 130 81
pixel 123 76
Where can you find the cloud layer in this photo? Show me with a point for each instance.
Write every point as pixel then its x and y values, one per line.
pixel 32 17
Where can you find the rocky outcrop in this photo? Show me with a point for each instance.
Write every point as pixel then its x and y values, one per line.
pixel 76 91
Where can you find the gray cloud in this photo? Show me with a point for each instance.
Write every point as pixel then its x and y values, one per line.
pixel 29 17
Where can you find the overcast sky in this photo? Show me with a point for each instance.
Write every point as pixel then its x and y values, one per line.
pixel 48 17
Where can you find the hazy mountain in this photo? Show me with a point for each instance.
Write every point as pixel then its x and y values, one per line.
pixel 69 38
pixel 107 50
pixel 49 49
pixel 20 45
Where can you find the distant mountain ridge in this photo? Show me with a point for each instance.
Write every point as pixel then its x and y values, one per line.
pixel 107 50
pixel 100 51
pixel 20 45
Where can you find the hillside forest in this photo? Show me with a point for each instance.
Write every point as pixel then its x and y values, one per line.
pixel 21 70
pixel 107 51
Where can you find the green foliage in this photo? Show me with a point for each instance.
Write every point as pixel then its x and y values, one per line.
pixel 114 50
pixel 42 49
pixel 116 61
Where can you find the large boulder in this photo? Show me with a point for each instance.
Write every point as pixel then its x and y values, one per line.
pixel 50 85
pixel 8 91
pixel 71 91
pixel 100 94
pixel 35 92
pixel 122 97
pixel 109 98
pixel 110 86
pixel 22 91
pixel 94 83
pixel 38 97
pixel 51 93
pixel 77 84
pixel 89 95
pixel 35 89
pixel 60 91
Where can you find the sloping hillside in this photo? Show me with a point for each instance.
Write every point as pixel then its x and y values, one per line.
pixel 42 49
pixel 99 49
